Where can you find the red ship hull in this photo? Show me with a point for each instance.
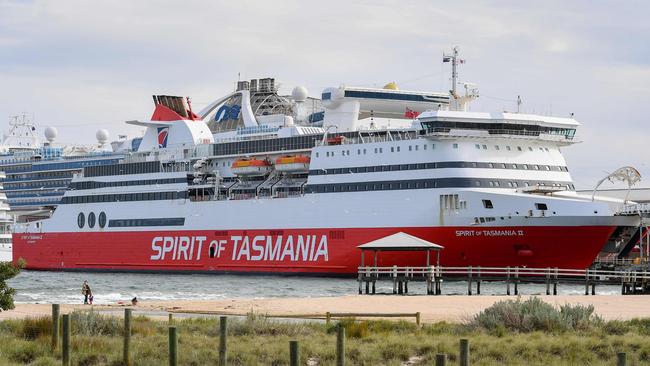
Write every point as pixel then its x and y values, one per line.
pixel 305 251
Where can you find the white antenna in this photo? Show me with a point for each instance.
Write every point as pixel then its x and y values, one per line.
pixel 453 58
pixel 459 102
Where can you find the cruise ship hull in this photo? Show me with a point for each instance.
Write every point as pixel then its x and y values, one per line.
pixel 306 251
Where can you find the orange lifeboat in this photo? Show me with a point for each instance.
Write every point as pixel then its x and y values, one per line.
pixel 336 140
pixel 292 164
pixel 251 167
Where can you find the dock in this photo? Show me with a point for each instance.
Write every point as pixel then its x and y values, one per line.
pixel 631 281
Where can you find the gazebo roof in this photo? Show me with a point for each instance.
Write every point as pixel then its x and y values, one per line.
pixel 400 241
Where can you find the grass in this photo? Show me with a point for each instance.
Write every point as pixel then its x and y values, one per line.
pixel 509 333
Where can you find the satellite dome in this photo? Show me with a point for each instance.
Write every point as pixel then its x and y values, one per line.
pixel 299 94
pixel 102 136
pixel 391 86
pixel 50 134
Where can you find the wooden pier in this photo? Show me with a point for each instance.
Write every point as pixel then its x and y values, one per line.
pixel 631 281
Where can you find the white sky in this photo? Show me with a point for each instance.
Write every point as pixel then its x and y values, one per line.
pixel 84 65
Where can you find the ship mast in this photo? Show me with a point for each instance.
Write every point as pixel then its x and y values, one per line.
pixel 471 93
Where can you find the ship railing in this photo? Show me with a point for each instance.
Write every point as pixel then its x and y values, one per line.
pixel 536 135
pixel 634 209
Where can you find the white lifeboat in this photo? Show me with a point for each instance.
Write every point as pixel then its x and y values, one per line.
pixel 251 167
pixel 292 164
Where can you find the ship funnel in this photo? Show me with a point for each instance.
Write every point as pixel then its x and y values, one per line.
pixel 172 108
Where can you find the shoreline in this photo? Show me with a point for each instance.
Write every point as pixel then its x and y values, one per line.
pixel 455 309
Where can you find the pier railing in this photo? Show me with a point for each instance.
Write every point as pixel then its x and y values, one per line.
pixel 632 281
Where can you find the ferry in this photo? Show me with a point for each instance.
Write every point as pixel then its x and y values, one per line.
pixel 296 184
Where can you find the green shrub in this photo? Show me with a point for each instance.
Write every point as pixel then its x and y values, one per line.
pixel 32 328
pixel 93 324
pixel 534 315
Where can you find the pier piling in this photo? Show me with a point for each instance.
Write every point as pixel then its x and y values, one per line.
pixel 441 359
pixel 55 326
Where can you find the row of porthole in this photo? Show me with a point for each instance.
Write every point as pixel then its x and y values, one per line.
pixel 101 220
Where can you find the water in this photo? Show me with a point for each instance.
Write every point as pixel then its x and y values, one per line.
pixel 109 288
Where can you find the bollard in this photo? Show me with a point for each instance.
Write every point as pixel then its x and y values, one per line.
pixel 127 336
pixel 464 352
pixel 173 347
pixel 171 318
pixel 328 318
pixel 55 326
pixel 417 318
pixel 223 332
pixel 294 353
pixel 65 346
pixel 340 345
pixel 441 359
pixel 621 359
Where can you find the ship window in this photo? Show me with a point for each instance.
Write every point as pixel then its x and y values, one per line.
pixel 455 146
pixel 410 148
pixel 416 147
pixel 541 149
pixel 81 220
pixel 392 149
pixel 490 165
pixel 497 184
pixel 536 167
pixel 364 151
pixel 519 148
pixel 530 148
pixel 525 166
pixel 433 146
pixel 547 167
pixel 491 183
pixel 398 149
pixel 477 183
pixel 424 146
pixel 102 219
pixel 496 147
pixel 478 147
pixel 358 151
pixel 541 206
pixel 91 220
pixel 487 204
pixel 212 250
pixel 484 147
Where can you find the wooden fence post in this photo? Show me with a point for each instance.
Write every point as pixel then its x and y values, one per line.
pixel 171 318
pixel 127 336
pixel 65 347
pixel 417 318
pixel 441 359
pixel 340 345
pixel 56 310
pixel 173 346
pixel 294 353
pixel 328 317
pixel 621 359
pixel 464 352
pixel 223 333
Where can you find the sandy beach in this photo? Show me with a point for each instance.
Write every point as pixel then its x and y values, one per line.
pixel 432 308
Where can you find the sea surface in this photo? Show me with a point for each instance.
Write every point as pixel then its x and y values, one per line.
pixel 110 288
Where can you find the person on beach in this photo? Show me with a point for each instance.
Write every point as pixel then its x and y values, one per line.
pixel 85 290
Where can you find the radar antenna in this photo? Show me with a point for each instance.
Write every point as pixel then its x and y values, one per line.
pixel 460 102
pixel 626 174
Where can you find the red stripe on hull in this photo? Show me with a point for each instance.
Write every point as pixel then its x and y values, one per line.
pixel 306 250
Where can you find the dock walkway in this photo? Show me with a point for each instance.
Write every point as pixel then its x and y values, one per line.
pixel 631 281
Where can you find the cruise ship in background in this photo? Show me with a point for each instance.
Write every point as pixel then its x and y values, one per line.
pixel 36 171
pixel 257 183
